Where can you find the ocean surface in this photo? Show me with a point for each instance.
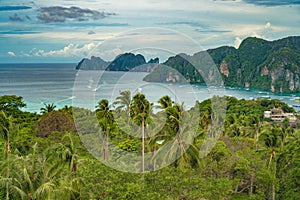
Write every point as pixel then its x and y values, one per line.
pixel 62 85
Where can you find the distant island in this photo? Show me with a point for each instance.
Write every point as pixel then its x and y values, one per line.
pixel 259 64
pixel 123 62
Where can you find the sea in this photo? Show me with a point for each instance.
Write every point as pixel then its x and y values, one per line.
pixel 61 84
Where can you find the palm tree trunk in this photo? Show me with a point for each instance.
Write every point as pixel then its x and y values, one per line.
pixel 74 167
pixel 273 191
pixel 154 161
pixel 256 140
pixel 271 157
pixel 7 186
pixel 7 146
pixel 143 143
pixel 106 147
pixel 274 173
pixel 105 154
pixel 251 184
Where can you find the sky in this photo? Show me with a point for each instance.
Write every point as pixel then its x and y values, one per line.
pixel 58 31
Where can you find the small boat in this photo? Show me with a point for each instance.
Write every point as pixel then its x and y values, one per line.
pixel 296 105
pixel 265 97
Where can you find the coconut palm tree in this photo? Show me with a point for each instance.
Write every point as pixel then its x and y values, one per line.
pixel 178 138
pixel 271 138
pixel 67 109
pixel 29 177
pixel 70 154
pixel 106 121
pixel 165 102
pixel 66 152
pixel 48 108
pixel 59 157
pixel 7 131
pixel 140 110
pixel 123 101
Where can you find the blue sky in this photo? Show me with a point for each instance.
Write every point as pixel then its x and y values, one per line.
pixel 68 30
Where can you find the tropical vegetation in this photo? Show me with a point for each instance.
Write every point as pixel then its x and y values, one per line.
pixel 44 157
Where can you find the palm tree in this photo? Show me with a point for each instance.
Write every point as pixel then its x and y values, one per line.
pixel 140 111
pixel 178 134
pixel 165 102
pixel 48 108
pixel 178 138
pixel 67 109
pixel 67 184
pixel 70 154
pixel 106 120
pixel 7 130
pixel 123 101
pixel 271 138
pixel 66 152
pixel 30 178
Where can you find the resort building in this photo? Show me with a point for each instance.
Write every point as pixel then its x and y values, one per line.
pixel 277 115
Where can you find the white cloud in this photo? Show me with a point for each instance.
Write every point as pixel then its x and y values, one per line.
pixel 69 50
pixel 108 55
pixel 268 25
pixel 237 42
pixel 266 31
pixel 10 53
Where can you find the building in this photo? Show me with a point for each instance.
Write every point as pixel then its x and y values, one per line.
pixel 277 115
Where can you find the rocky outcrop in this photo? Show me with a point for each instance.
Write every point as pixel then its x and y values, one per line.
pixel 265 71
pixel 223 68
pixel 95 63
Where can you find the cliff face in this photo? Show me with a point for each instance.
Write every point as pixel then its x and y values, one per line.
pixel 257 63
pixel 123 62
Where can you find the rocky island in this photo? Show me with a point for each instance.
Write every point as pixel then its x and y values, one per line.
pixel 267 65
pixel 259 64
pixel 123 62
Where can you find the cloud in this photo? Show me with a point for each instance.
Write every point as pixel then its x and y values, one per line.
pixel 273 2
pixel 11 8
pixel 10 53
pixel 211 31
pixel 89 24
pixel 268 25
pixel 61 14
pixel 69 50
pixel 91 32
pixel 19 32
pixel 15 17
pixel 257 30
pixel 189 23
pixel 237 42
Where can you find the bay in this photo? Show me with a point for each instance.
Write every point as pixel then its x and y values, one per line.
pixel 62 85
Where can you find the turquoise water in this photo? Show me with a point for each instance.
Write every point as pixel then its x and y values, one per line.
pixel 62 85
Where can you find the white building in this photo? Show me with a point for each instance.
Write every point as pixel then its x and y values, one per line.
pixel 277 115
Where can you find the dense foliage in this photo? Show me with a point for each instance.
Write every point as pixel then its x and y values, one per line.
pixel 252 159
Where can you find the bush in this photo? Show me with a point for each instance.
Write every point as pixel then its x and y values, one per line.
pixel 54 121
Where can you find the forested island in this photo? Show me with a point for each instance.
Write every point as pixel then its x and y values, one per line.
pixel 43 156
pixel 123 62
pixel 267 65
pixel 259 64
